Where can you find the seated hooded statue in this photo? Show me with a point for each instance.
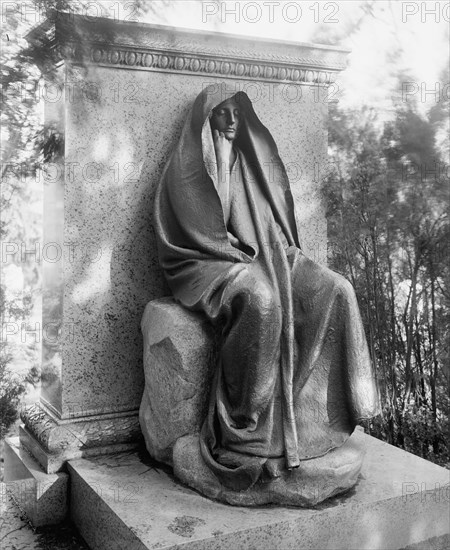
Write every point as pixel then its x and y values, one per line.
pixel 294 375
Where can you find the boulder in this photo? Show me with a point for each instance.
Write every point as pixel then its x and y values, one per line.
pixel 179 360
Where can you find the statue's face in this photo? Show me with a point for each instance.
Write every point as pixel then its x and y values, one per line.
pixel 226 118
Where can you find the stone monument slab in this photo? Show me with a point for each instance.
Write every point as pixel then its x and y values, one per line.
pixel 125 90
pixel 127 501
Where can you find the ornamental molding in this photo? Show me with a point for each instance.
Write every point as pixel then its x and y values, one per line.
pixel 165 61
pixel 56 437
pixel 135 46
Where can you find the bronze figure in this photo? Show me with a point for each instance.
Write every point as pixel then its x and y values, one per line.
pixel 294 375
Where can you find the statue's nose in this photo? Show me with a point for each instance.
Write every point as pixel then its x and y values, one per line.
pixel 231 118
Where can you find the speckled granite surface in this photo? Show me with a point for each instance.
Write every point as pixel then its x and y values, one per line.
pixel 129 501
pixel 117 147
pixel 16 533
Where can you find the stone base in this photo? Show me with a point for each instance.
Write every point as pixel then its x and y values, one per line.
pixel 130 501
pixel 312 482
pixel 43 497
pixel 52 442
pixel 52 463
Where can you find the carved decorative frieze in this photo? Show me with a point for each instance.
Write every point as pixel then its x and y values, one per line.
pixel 173 63
pixel 123 45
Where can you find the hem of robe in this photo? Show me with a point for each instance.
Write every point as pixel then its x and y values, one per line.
pixel 253 469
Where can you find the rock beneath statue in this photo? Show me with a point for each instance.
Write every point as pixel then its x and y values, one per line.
pixel 179 357
pixel 180 354
pixel 314 481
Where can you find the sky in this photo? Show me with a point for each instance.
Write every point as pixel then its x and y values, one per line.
pixel 396 35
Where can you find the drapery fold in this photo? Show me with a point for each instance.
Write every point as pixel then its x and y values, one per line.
pixel 262 409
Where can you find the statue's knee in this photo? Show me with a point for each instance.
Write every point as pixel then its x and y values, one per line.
pixel 343 286
pixel 258 300
pixel 262 299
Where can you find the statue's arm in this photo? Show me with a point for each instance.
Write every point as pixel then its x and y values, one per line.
pixel 224 151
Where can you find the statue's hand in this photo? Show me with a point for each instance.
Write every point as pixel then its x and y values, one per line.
pixel 223 148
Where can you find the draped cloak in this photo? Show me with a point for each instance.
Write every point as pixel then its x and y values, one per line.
pixel 304 397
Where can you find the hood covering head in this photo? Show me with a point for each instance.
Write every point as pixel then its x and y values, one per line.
pixel 255 141
pixel 189 220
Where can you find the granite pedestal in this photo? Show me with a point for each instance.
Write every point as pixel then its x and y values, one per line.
pixel 129 501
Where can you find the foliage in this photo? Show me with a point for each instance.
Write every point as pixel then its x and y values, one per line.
pixel 25 145
pixel 386 195
pixel 12 386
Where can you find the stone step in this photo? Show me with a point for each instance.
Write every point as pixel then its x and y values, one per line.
pixel 129 501
pixel 43 497
pixel 17 532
